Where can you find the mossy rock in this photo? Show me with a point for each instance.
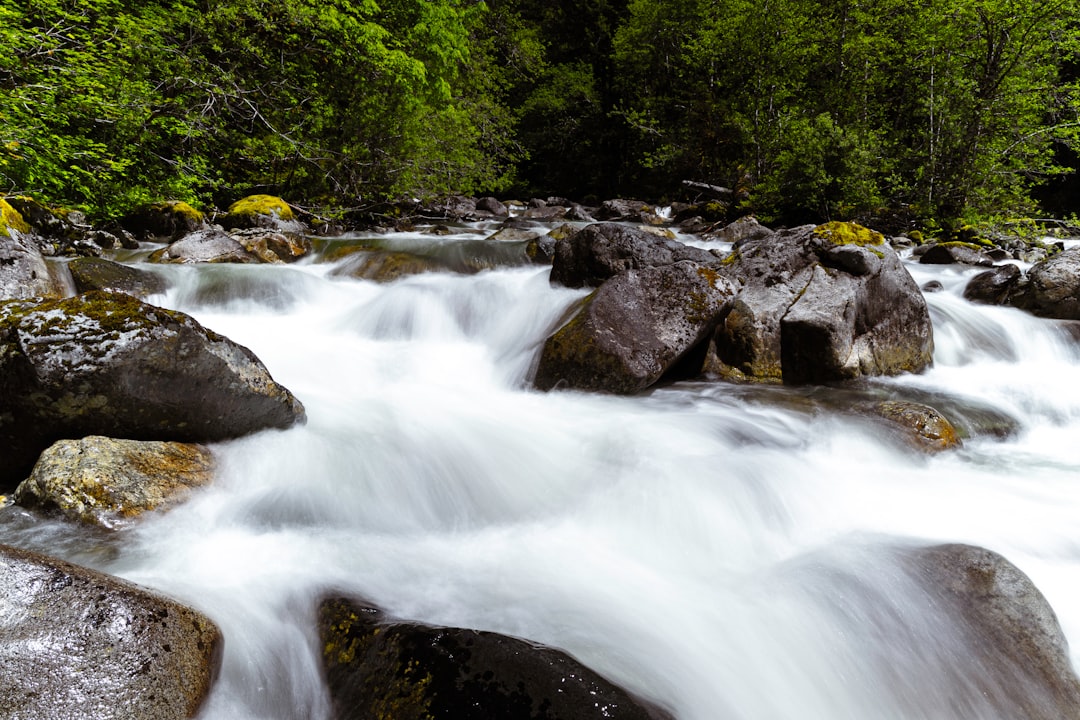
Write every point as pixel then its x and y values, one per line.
pixel 920 426
pixel 166 220
pixel 849 233
pixel 262 211
pixel 11 219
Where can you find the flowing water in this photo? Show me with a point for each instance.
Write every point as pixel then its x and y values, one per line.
pixel 726 551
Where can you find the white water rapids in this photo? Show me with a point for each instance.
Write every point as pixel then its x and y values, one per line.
pixel 722 550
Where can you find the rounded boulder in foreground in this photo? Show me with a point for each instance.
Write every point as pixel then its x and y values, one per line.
pixel 76 644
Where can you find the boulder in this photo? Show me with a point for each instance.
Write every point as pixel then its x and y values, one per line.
pixel 23 271
pixel 1052 289
pixel 635 329
pixel 262 211
pixel 949 253
pixel 993 286
pixel 386 265
pixel 169 220
pixel 745 228
pixel 546 213
pixel 1013 636
pixel 821 304
pixel 271 246
pixel 205 246
pixel 515 234
pixel 377 667
pixel 100 274
pixel 601 251
pixel 493 206
pixel 108 482
pixel 105 363
pixel 920 426
pixel 76 644
pixel 625 210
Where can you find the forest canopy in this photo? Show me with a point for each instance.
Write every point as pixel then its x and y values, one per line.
pixel 879 110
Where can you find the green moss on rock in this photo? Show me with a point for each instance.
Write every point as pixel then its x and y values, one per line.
pixel 849 233
pixel 262 205
pixel 10 219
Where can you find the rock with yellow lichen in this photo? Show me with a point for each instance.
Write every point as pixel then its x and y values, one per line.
pixel 166 220
pixel 23 270
pixel 110 482
pixel 262 211
pixel 378 668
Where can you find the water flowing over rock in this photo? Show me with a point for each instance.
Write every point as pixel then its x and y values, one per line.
pixel 76 644
pixel 921 426
pixel 379 668
pixel 108 482
pixel 108 364
pixel 1013 632
pixel 600 251
pixel 821 304
pixel 634 329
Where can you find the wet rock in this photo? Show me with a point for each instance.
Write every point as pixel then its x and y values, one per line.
pixel 950 253
pixel 164 221
pixel 262 211
pixel 1013 634
pixel 821 304
pixel 493 206
pixel 23 271
pixel 541 250
pixel 380 668
pixel 205 246
pixel 636 328
pixel 1052 289
pixel 108 482
pixel 600 251
pixel 100 274
pixel 106 363
pixel 993 286
pixel 515 234
pixel 624 210
pixel 745 228
pixel 547 213
pixel 271 246
pixel 921 426
pixel 76 644
pixel 932 286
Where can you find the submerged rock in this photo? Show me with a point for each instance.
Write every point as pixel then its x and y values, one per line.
pixel 634 329
pixel 106 363
pixel 821 304
pixel 921 426
pixel 76 644
pixel 108 482
pixel 380 668
pixel 1012 633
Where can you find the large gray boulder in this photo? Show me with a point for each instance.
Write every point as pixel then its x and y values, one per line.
pixel 377 667
pixel 821 304
pixel 76 644
pixel 106 363
pixel 603 250
pixel 635 329
pixel 101 274
pixel 1012 634
pixel 1052 289
pixel 109 482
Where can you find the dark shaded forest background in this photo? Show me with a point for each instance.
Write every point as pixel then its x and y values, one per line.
pixel 897 113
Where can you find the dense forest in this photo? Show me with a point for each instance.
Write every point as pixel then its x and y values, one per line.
pixel 887 111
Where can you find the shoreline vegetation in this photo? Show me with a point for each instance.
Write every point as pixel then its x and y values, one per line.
pixel 904 118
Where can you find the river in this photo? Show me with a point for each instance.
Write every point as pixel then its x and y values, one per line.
pixel 726 551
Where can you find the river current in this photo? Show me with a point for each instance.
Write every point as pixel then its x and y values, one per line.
pixel 726 551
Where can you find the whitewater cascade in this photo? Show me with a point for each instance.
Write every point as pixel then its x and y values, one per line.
pixel 723 550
